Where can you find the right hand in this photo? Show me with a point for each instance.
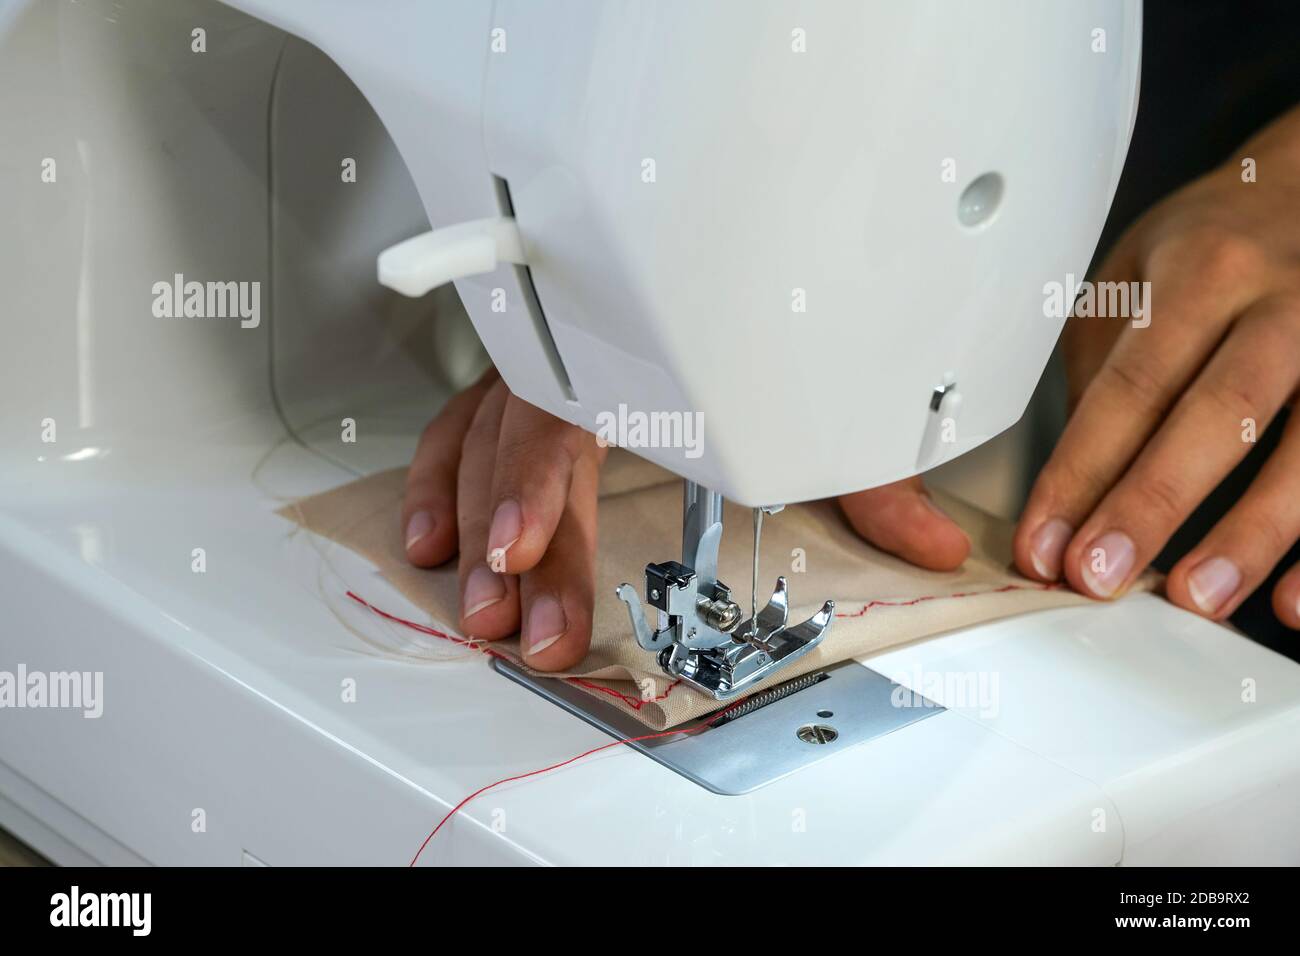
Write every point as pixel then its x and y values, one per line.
pixel 513 489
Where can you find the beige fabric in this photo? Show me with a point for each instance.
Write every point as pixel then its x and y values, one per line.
pixel 880 600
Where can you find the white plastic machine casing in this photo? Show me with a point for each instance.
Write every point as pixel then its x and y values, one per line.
pixel 797 271
pixel 750 210
pixel 1132 733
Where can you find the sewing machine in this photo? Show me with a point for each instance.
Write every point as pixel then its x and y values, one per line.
pixel 823 227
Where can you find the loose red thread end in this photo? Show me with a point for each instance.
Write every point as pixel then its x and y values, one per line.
pixel 633 702
pixel 564 763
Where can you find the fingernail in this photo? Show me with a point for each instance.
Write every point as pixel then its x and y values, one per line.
pixel 546 624
pixel 1047 547
pixel 1212 582
pixel 507 525
pixel 482 589
pixel 1107 562
pixel 420 526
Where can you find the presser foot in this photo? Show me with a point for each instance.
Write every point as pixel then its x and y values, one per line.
pixel 754 653
pixel 702 640
pixel 700 637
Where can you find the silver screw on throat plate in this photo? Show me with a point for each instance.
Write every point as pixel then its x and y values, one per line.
pixel 817 733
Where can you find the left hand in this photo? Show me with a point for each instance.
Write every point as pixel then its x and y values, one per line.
pixel 1165 412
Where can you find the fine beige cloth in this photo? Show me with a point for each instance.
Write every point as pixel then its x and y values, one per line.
pixel 880 600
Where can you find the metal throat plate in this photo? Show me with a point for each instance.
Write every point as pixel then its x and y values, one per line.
pixel 850 705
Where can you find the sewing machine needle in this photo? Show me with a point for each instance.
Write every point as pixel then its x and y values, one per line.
pixel 753 590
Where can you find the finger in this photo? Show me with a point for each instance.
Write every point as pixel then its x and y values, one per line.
pixel 903 519
pixel 536 456
pixel 1286 598
pixel 1086 341
pixel 1245 383
pixel 429 505
pixel 1247 543
pixel 558 593
pixel 489 601
pixel 1127 400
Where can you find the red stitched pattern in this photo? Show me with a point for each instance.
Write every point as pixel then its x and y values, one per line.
pixel 633 702
pixel 636 703
pixel 960 594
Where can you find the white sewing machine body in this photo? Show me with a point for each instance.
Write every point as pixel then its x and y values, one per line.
pixel 245 719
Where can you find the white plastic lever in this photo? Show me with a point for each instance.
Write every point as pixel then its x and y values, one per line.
pixel 424 262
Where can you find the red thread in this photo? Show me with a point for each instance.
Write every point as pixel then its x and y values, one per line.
pixel 635 703
pixel 564 763
pixel 960 594
pixel 424 628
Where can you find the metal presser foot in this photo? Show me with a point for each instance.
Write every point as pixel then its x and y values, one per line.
pixel 700 636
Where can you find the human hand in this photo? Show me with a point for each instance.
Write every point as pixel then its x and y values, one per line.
pixel 513 490
pixel 1163 413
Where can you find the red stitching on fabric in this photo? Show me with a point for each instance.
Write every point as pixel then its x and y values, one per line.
pixel 960 594
pixel 637 703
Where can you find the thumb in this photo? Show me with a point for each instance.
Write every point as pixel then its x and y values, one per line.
pixel 902 519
